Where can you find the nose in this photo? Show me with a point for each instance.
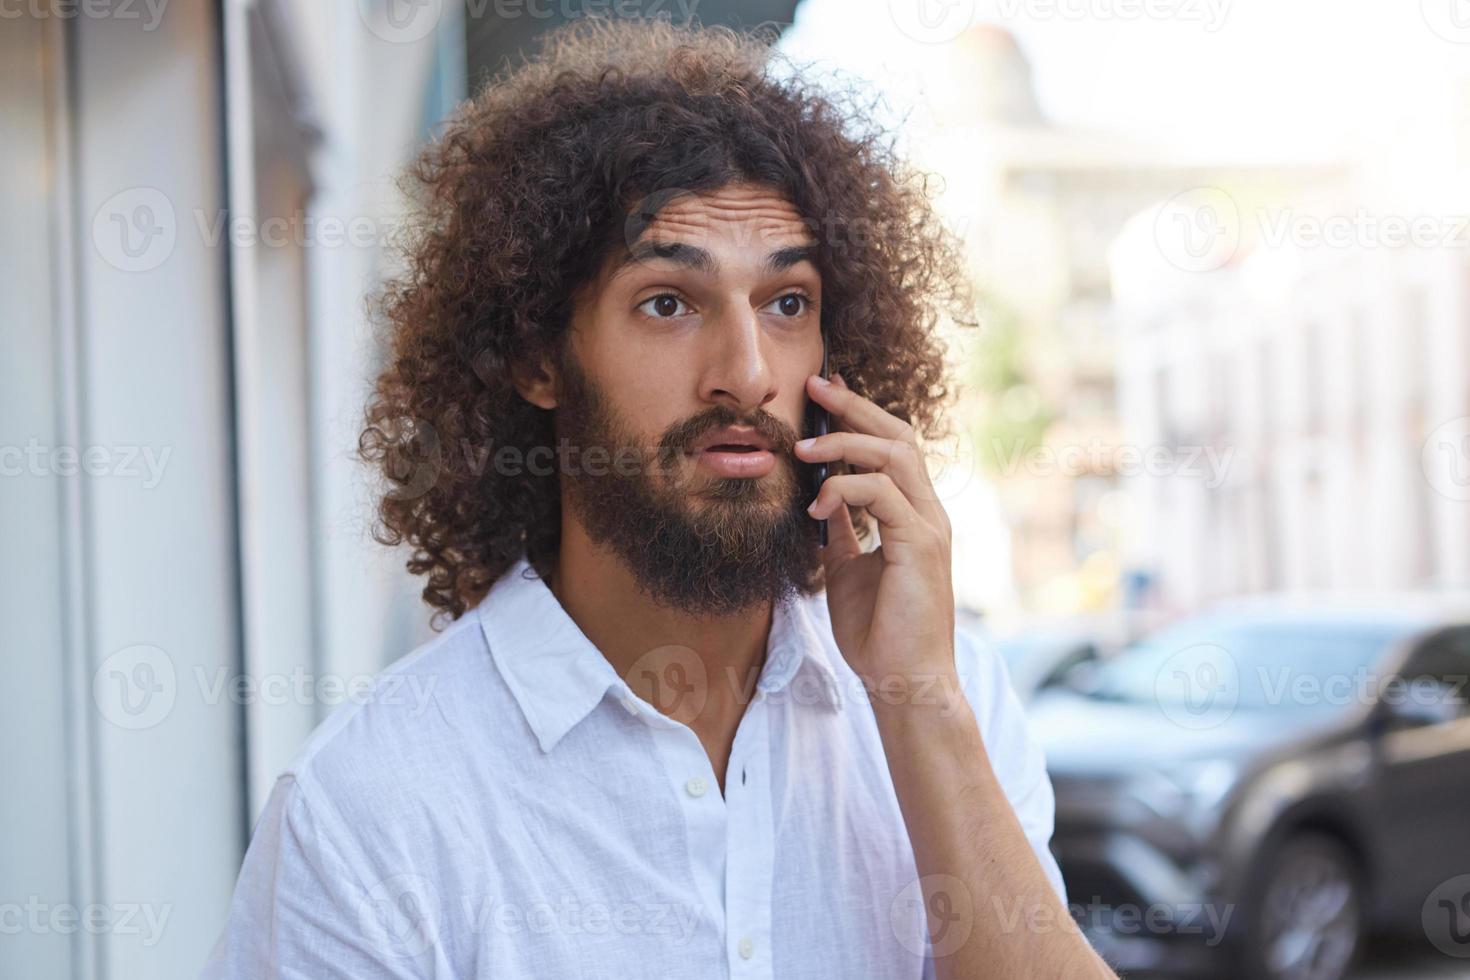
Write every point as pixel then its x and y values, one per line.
pixel 739 373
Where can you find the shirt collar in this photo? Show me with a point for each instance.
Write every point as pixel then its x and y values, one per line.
pixel 558 677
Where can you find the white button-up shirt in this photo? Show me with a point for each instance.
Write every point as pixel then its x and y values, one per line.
pixel 503 805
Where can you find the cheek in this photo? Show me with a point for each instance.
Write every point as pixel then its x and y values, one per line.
pixel 639 358
pixel 646 383
pixel 652 393
pixel 790 405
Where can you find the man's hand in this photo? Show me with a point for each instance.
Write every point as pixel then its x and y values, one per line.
pixel 893 618
pixel 893 608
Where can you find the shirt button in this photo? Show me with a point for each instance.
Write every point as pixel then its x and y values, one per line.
pixel 631 704
pixel 696 787
pixel 747 948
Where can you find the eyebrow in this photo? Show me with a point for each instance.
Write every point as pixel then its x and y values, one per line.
pixel 696 258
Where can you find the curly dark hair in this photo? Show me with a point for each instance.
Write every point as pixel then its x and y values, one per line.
pixel 558 162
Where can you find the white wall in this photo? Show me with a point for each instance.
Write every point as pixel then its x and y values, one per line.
pixel 212 527
pixel 41 764
pixel 119 576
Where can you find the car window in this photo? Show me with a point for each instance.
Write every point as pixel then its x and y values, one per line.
pixel 1259 664
pixel 1435 680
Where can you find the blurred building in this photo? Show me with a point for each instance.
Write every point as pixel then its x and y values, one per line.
pixel 1038 206
pixel 1318 345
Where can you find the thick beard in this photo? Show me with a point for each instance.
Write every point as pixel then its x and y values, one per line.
pixel 750 541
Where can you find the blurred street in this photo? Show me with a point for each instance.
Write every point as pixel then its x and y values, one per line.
pixel 1393 963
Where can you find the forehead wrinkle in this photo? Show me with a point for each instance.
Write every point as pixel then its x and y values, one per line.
pixel 764 225
pixel 694 257
pixel 763 217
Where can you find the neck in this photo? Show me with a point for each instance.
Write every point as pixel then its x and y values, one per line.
pixel 659 651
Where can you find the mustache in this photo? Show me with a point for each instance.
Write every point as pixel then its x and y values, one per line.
pixel 680 437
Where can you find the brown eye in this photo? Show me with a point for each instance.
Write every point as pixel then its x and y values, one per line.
pixel 791 305
pixel 663 306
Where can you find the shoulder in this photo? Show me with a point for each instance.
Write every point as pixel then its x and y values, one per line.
pixel 404 721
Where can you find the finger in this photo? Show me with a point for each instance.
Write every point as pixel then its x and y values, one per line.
pixel 900 460
pixel 898 520
pixel 926 490
pixel 860 414
pixel 835 423
pixel 842 539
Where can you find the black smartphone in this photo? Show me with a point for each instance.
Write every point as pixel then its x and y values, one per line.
pixel 818 422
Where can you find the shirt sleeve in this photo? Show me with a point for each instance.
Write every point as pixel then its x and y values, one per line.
pixel 302 910
pixel 1017 758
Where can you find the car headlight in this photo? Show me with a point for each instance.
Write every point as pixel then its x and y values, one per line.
pixel 1194 786
pixel 1207 782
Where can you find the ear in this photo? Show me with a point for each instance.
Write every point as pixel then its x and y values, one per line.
pixel 536 382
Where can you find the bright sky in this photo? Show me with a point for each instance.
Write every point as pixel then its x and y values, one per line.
pixel 1248 79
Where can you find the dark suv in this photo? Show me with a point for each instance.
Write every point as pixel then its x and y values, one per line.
pixel 1253 789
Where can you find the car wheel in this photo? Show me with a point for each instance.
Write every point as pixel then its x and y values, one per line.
pixel 1306 911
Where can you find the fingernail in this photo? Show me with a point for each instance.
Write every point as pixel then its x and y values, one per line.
pixel 821 380
pixel 805 443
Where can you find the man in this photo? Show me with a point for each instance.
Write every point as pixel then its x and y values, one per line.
pixel 670 735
